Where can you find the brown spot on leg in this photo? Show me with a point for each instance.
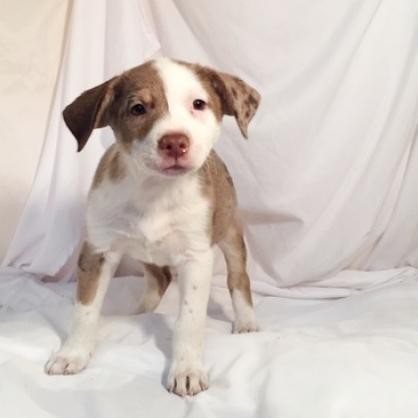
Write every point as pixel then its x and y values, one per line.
pixel 89 269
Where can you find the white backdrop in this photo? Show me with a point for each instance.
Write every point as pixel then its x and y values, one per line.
pixel 327 189
pixel 326 181
pixel 29 59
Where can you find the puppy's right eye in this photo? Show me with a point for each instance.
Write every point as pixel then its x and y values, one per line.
pixel 138 109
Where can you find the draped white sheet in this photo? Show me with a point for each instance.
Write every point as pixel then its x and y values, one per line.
pixel 326 181
pixel 327 190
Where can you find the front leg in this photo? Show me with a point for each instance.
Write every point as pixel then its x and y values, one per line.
pixel 95 271
pixel 187 375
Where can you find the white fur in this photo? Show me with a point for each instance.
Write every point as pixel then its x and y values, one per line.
pixel 244 313
pixel 181 88
pixel 187 365
pixel 160 221
pixel 156 221
pixel 163 221
pixel 75 353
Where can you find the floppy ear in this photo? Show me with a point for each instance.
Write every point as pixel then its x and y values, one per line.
pixel 89 111
pixel 237 97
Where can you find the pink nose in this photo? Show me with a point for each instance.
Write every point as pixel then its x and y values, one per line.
pixel 173 145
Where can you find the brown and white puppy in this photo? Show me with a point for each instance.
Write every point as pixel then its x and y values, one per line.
pixel 163 196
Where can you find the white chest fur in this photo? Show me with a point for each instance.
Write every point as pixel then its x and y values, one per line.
pixel 158 222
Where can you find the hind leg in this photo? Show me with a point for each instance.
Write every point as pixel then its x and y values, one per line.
pixel 235 253
pixel 157 280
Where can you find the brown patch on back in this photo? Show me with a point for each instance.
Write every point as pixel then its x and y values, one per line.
pixel 110 167
pixel 161 274
pixel 218 187
pixel 89 269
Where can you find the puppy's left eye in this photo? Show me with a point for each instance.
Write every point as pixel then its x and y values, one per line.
pixel 199 104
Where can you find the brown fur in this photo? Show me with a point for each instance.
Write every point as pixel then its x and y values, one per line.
pixel 217 185
pixel 229 95
pixel 161 274
pixel 204 74
pixel 89 269
pixel 110 103
pixel 225 230
pixel 140 85
pixel 235 253
pixel 88 112
pixel 110 167
pixel 243 104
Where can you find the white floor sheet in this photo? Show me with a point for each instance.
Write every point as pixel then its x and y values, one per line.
pixel 352 357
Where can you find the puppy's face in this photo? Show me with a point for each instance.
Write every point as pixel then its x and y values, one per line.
pixel 165 118
pixel 165 114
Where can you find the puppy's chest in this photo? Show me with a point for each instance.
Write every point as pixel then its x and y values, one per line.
pixel 162 231
pixel 162 236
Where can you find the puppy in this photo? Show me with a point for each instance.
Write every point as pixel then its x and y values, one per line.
pixel 163 196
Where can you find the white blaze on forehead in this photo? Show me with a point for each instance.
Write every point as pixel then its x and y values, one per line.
pixel 180 83
pixel 181 87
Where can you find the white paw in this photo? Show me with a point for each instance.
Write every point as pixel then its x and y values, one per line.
pixel 187 381
pixel 241 327
pixel 67 363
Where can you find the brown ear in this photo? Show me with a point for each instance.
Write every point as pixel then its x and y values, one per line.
pixel 89 111
pixel 237 97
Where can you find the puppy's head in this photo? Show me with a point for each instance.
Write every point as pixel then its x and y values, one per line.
pixel 165 114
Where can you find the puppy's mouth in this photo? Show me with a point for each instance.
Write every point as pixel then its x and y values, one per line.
pixel 174 167
pixel 175 170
